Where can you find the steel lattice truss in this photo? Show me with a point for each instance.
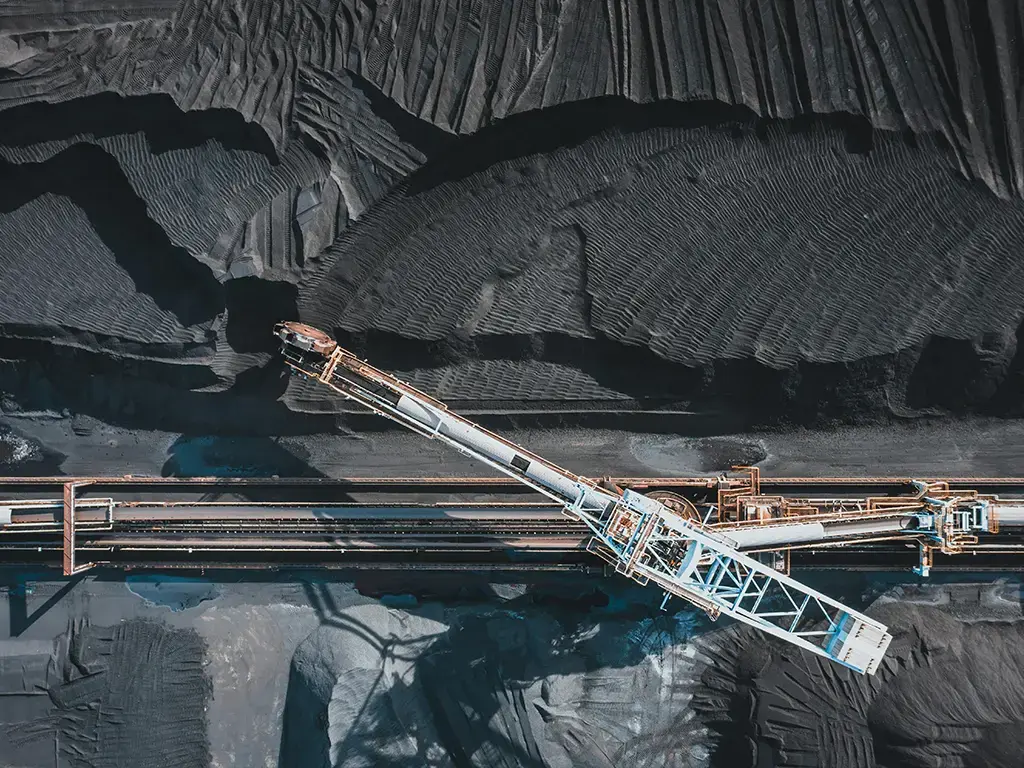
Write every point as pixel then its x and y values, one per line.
pixel 647 542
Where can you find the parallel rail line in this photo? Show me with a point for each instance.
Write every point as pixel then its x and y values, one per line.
pixel 391 522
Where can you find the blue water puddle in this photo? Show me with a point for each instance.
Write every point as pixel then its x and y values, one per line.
pixel 618 603
pixel 211 456
pixel 178 593
pixel 399 601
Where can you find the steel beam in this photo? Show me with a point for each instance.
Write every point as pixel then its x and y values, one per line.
pixel 70 508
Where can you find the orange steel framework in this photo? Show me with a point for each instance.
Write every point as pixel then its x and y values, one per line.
pixel 741 506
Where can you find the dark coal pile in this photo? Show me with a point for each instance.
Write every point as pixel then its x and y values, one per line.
pixel 536 677
pixel 465 670
pixel 645 236
pixel 131 694
pixel 548 676
pixel 951 692
pixel 514 203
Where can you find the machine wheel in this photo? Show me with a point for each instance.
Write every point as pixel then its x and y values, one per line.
pixel 678 504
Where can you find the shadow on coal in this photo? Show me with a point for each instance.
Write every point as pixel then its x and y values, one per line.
pixel 466 693
pixel 546 130
pixel 93 180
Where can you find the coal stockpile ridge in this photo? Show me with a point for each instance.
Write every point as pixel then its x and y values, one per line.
pixel 111 211
pixel 769 241
pixel 168 150
pixel 941 697
pixel 479 380
pixel 940 67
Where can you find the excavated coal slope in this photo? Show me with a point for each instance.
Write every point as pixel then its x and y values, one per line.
pixel 466 670
pixel 949 692
pixel 521 202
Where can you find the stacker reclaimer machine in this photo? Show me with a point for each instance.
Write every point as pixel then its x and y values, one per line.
pixel 730 557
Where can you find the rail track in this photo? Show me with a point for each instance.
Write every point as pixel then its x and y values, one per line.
pixel 390 522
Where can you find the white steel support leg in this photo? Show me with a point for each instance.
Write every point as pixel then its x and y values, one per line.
pixel 703 568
